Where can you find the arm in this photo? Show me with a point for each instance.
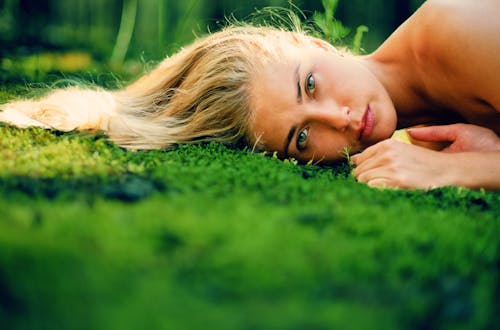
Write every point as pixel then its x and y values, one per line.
pixel 459 137
pixel 394 164
pixel 476 170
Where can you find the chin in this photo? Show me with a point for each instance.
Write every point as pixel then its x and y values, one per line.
pixel 376 138
pixel 384 132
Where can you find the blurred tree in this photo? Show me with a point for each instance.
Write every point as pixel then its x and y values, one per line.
pixel 22 20
pixel 8 12
pixel 162 26
pixel 127 25
pixel 403 11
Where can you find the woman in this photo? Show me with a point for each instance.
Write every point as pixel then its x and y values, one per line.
pixel 290 93
pixel 441 66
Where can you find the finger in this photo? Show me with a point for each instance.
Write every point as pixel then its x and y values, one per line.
pixel 376 179
pixel 368 165
pixel 382 178
pixel 368 153
pixel 434 133
pixel 381 183
pixel 366 175
pixel 451 148
pixel 386 147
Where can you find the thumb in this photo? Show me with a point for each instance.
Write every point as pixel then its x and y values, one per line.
pixel 443 133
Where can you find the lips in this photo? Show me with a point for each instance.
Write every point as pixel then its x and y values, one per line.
pixel 367 123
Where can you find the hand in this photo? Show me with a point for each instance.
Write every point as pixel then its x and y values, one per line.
pixel 393 164
pixel 462 137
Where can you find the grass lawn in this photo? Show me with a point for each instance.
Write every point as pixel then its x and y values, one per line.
pixel 205 237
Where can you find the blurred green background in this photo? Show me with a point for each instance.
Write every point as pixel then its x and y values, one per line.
pixel 161 26
pixel 206 237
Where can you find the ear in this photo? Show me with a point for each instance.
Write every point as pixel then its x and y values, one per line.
pixel 325 46
pixel 322 44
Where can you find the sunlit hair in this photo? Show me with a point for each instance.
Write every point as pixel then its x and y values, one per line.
pixel 201 93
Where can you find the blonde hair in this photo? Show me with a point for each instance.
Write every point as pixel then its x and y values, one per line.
pixel 202 93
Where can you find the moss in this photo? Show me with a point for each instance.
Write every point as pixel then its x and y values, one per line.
pixel 93 236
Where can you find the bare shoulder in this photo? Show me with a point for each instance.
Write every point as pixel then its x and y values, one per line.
pixel 458 20
pixel 464 25
pixel 459 26
pixel 461 39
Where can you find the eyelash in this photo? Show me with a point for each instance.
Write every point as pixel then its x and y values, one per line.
pixel 306 83
pixel 307 88
pixel 299 147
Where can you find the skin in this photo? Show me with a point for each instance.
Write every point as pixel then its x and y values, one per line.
pixel 412 79
pixel 321 94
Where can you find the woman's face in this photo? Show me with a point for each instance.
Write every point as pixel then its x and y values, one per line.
pixel 314 103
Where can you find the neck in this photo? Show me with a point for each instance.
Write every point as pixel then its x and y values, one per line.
pixel 401 83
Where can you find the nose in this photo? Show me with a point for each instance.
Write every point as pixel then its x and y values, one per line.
pixel 333 115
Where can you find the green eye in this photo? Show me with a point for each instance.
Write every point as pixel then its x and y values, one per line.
pixel 310 84
pixel 302 139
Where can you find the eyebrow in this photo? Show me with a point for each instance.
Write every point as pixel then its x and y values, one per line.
pixel 292 131
pixel 299 90
pixel 289 139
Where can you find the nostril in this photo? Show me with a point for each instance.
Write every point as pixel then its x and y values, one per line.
pixel 346 111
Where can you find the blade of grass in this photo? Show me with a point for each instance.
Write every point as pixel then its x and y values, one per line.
pixel 127 26
pixel 162 23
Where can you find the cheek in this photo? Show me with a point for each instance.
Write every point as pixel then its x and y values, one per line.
pixel 330 146
pixel 386 122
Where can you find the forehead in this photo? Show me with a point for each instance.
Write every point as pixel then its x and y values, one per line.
pixel 273 97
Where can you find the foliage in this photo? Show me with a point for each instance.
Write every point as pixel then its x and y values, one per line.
pixel 332 30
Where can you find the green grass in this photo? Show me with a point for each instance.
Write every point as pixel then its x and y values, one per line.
pixel 205 237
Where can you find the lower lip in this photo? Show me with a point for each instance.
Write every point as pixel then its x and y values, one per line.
pixel 368 123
